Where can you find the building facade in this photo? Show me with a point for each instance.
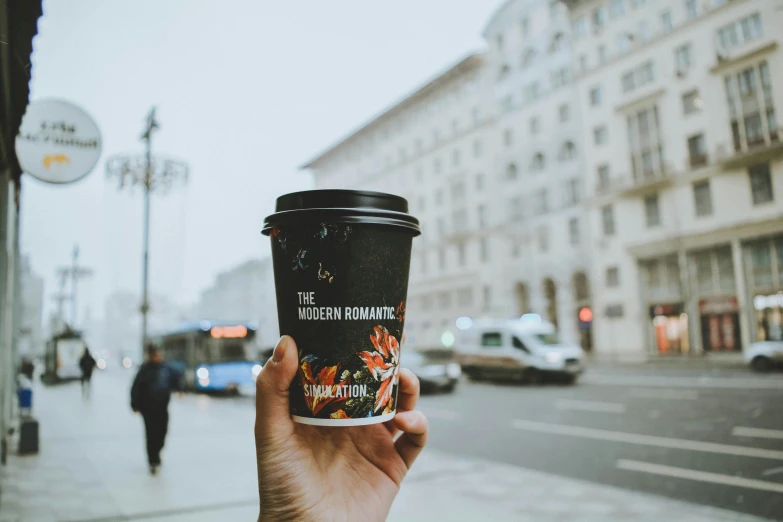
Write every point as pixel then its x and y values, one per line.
pixel 31 339
pixel 684 171
pixel 244 293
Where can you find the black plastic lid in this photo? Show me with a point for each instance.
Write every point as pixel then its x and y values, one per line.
pixel 342 206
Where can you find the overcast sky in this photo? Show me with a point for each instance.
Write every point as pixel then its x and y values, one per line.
pixel 246 92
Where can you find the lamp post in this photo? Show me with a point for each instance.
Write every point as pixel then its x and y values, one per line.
pixel 152 174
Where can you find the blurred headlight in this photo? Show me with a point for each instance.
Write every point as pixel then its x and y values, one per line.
pixel 127 363
pixel 203 381
pixel 202 373
pixel 101 364
pixel 256 370
pixel 433 370
pixel 553 357
pixel 453 370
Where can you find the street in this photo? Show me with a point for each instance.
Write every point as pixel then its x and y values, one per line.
pixel 631 429
pixel 662 447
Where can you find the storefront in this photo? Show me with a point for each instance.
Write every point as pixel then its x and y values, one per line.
pixel 720 324
pixel 670 324
pixel 769 317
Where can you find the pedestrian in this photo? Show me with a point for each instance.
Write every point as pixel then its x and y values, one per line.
pixel 150 397
pixel 27 368
pixel 309 473
pixel 87 364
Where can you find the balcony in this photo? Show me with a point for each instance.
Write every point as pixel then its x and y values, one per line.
pixel 642 183
pixel 698 160
pixel 742 154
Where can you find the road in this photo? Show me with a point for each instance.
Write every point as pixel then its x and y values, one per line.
pixel 703 436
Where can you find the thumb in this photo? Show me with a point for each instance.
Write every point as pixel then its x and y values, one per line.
pixel 272 411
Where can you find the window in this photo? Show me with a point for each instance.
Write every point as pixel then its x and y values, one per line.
pixel 612 277
pixel 702 198
pixel 560 77
pixel 511 172
pixel 525 26
pixel 484 247
pixel 691 102
pixel 617 8
pixel 682 58
pixel 543 238
pixel 761 264
pixel 531 92
pixel 455 157
pixel 444 300
pixel 479 182
pixel 652 211
pixel 528 58
pixel 481 212
pixel 601 54
pixel 600 135
pixel 541 202
pixel 508 137
pixel 442 259
pixel 465 296
pixel 476 115
pixel 423 263
pixel 595 96
pixel 564 112
pixel 535 125
pixel 572 193
pixel 477 148
pixel 461 255
pixel 645 143
pixel 518 344
pixel 666 21
pixel 745 102
pixel 457 191
pixel 435 135
pixel 436 166
pixel 737 34
pixel 603 176
pixel 454 126
pixel 505 70
pixel 607 219
pixel 638 77
pixel 460 220
pixel 644 31
pixel 516 210
pixel 697 151
pixel 624 42
pixel 599 18
pixel 491 339
pixel 558 43
pixel 487 296
pixel 441 227
pixel 539 162
pixel 582 62
pixel 507 104
pixel 568 151
pixel 580 28
pixel 573 231
pixel 691 9
pixel 761 185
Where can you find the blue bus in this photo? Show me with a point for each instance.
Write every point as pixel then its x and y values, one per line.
pixel 214 356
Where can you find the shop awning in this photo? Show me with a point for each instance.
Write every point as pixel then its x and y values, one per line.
pixel 18 26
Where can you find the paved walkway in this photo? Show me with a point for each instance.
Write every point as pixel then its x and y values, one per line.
pixel 91 468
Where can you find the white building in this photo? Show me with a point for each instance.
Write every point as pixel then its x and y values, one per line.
pixel 684 170
pixel 434 148
pixel 537 169
pixel 244 293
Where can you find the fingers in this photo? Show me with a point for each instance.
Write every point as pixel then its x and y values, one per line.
pixel 414 426
pixel 408 395
pixel 272 412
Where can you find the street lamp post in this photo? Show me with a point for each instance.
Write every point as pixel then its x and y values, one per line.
pixel 153 174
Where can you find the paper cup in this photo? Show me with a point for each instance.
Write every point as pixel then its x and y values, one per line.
pixel 341 261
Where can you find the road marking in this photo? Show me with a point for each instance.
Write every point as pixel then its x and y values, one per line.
pixel 435 413
pixel 603 407
pixel 772 471
pixel 729 383
pixel 741 431
pixel 701 476
pixel 646 440
pixel 652 393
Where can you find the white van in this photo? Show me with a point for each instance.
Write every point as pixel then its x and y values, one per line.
pixel 526 349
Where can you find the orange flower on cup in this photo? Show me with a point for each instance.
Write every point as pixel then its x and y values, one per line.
pixel 383 364
pixel 325 385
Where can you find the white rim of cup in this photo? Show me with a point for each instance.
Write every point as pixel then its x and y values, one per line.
pixel 344 422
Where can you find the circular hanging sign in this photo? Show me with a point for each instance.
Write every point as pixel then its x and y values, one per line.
pixel 57 142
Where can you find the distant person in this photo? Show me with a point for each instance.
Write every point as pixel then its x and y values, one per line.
pixel 87 364
pixel 27 368
pixel 150 396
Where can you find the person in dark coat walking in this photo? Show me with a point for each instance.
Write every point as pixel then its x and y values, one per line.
pixel 150 397
pixel 87 364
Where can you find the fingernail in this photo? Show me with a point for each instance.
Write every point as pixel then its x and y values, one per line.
pixel 279 353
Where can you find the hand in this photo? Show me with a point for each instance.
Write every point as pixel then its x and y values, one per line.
pixel 135 410
pixel 180 395
pixel 317 473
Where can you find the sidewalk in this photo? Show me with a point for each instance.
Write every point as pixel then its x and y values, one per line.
pixel 91 469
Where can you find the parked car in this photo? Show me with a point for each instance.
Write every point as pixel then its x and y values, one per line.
pixel 527 349
pixel 435 373
pixel 765 356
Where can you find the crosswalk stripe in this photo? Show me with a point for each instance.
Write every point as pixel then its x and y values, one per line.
pixel 700 476
pixel 742 431
pixel 646 440
pixel 601 407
